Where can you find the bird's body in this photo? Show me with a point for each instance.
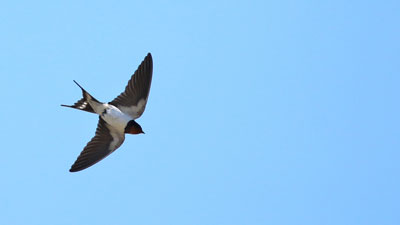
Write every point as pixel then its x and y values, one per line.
pixel 116 117
pixel 112 115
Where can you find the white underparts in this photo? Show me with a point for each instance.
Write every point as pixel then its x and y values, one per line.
pixel 114 117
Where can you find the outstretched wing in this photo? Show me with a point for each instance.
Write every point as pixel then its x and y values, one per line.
pixel 133 100
pixel 106 140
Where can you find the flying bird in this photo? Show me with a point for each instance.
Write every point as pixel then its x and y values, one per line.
pixel 116 118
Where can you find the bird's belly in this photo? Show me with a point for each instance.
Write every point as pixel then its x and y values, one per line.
pixel 116 119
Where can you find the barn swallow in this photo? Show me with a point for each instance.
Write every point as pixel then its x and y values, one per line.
pixel 116 118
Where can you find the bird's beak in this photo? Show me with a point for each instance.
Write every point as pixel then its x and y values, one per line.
pixel 143 132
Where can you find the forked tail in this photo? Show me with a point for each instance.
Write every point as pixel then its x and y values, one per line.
pixel 83 103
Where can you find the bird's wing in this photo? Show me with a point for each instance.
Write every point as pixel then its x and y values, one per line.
pixel 106 140
pixel 133 100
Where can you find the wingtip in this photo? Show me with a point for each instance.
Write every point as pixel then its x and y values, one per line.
pixel 72 170
pixel 75 168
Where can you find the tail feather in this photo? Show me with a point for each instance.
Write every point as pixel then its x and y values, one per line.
pixel 83 103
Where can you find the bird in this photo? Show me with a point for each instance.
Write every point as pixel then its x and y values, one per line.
pixel 116 118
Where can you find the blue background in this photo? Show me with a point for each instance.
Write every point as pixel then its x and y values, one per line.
pixel 260 112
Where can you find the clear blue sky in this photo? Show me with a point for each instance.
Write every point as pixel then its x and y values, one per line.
pixel 260 112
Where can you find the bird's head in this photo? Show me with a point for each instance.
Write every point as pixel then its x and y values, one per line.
pixel 133 128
